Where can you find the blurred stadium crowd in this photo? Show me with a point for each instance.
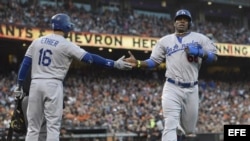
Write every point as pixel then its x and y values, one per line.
pixel 129 101
pixel 109 22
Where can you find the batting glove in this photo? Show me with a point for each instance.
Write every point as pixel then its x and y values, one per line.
pixel 18 92
pixel 122 65
pixel 195 50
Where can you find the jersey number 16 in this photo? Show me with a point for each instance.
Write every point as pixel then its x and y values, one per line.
pixel 44 57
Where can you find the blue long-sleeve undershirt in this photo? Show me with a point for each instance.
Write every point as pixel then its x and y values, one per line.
pixel 98 60
pixel 26 64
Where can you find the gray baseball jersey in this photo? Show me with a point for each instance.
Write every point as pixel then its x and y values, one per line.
pixel 52 55
pixel 180 93
pixel 179 65
pixel 51 58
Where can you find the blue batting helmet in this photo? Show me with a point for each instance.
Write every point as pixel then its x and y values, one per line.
pixel 61 22
pixel 183 12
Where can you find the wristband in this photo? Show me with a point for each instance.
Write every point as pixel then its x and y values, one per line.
pixel 138 63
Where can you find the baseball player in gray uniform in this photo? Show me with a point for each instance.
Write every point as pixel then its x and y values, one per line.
pixel 50 57
pixel 183 51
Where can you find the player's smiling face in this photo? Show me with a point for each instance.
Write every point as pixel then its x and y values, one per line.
pixel 181 24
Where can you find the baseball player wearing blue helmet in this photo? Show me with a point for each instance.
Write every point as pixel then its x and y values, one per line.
pixel 50 57
pixel 183 52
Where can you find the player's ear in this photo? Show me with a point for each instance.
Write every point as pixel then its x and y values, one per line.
pixel 190 25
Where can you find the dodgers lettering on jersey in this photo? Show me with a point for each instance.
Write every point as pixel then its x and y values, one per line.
pixel 52 55
pixel 179 65
pixel 176 48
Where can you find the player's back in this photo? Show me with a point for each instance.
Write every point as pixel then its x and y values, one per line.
pixel 51 56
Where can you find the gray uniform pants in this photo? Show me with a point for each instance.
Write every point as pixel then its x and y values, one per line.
pixel 43 131
pixel 180 107
pixel 45 102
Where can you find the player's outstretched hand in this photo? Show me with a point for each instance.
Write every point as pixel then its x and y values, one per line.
pixel 131 59
pixel 195 50
pixel 122 65
pixel 18 92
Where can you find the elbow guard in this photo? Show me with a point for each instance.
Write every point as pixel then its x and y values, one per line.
pixel 210 57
